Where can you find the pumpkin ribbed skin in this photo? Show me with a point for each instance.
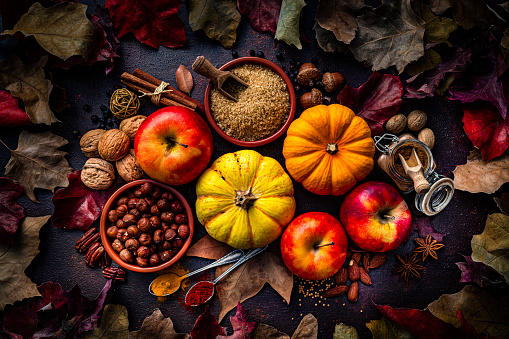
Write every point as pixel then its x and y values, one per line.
pixel 245 199
pixel 337 171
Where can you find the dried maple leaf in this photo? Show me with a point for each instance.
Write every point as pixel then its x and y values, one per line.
pixel 479 273
pixel 14 284
pixel 389 35
pixel 38 163
pixel 376 101
pixel 249 278
pixel 288 23
pixel 327 40
pixel 157 326
pixel 209 248
pixel 10 211
pixel 77 206
pixel 28 83
pixel 486 128
pixel 155 23
pixel 242 328
pixel 10 114
pixel 114 324
pixel 478 176
pixel 483 312
pixel 219 19
pixel 339 16
pixel 207 327
pixel 262 14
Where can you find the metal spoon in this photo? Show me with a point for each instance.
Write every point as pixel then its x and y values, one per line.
pixel 245 258
pixel 227 259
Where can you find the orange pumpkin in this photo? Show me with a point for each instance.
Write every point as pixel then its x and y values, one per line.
pixel 329 149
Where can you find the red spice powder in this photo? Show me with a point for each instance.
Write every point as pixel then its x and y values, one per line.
pixel 200 293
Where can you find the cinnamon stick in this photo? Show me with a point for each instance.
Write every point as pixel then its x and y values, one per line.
pixel 186 99
pixel 163 101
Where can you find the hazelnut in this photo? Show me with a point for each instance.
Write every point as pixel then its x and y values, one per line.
pixel 136 213
pixel 155 259
pixel 146 215
pixel 183 231
pixel 427 137
pixel 163 204
pixel 170 234
pixel 150 200
pixel 164 226
pixel 113 145
pixel 138 193
pixel 143 252
pixel 112 231
pixel 113 216
pixel 121 224
pixel 117 245
pixel 177 207
pixel 178 243
pixel 120 234
pixel 129 168
pixel 97 174
pixel 132 244
pixel 158 237
pixel 396 124
pixel 146 188
pixel 122 210
pixel 308 74
pixel 130 195
pixel 152 248
pixel 133 231
pixel 167 216
pixel 417 120
pixel 142 262
pixel 174 227
pixel 90 141
pixel 166 256
pixel 145 239
pixel 156 192
pixel 132 203
pixel 130 126
pixel 333 81
pixel 167 245
pixel 144 225
pixel 126 255
pixel 142 206
pixel 154 210
pixel 129 219
pixel 155 222
pixel 181 219
pixel 122 201
pixel 167 195
pixel 311 99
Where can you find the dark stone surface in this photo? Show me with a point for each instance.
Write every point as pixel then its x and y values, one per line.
pixel 59 262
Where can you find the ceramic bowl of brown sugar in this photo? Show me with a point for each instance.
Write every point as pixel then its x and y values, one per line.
pixel 263 111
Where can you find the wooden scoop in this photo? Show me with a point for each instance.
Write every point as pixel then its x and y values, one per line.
pixel 203 67
pixel 413 168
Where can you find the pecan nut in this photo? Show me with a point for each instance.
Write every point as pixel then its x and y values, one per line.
pixel 90 237
pixel 115 273
pixel 94 255
pixel 105 261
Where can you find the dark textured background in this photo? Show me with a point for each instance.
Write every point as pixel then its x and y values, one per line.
pixel 59 262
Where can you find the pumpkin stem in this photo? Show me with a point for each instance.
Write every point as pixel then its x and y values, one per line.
pixel 245 199
pixel 332 148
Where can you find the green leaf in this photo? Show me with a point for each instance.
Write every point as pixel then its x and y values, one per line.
pixel 114 324
pixel 288 23
pixel 390 35
pixel 339 16
pixel 27 82
pixel 342 331
pixel 327 40
pixel 386 329
pixel 491 247
pixel 437 28
pixel 219 19
pixel 483 312
pixel 62 30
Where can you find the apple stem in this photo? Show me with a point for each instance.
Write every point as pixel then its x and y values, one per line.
pixel 328 244
pixel 390 217
pixel 175 141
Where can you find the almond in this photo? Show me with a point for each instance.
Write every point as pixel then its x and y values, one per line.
pixel 353 292
pixel 364 277
pixel 378 260
pixel 341 276
pixel 353 271
pixel 357 257
pixel 365 261
pixel 336 291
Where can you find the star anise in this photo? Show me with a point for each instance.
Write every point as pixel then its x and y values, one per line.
pixel 427 246
pixel 408 266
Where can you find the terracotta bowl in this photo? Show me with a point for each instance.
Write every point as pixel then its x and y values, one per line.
pixel 105 224
pixel 291 93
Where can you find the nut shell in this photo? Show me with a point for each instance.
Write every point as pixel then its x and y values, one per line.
pixel 307 75
pixel 427 137
pixel 89 143
pixel 128 167
pixel 417 120
pixel 97 174
pixel 113 145
pixel 396 124
pixel 130 126
pixel 333 81
pixel 311 99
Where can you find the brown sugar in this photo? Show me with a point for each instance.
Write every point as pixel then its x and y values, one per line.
pixel 406 151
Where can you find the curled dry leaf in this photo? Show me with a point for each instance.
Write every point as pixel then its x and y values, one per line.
pixel 288 23
pixel 503 202
pixel 307 329
pixel 114 324
pixel 478 176
pixel 339 16
pixel 10 211
pixel 242 328
pixel 424 227
pixel 10 114
pixel 37 162
pixel 157 326
pixel 209 248
pixel 327 40
pixel 184 79
pixel 207 327
pixel 477 272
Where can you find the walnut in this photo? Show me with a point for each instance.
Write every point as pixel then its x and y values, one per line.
pixel 113 145
pixel 130 126
pixel 417 120
pixel 129 168
pixel 396 124
pixel 427 137
pixel 89 142
pixel 98 174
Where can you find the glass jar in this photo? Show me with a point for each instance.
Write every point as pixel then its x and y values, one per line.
pixel 441 188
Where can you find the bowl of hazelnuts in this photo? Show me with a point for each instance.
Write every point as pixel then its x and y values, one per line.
pixel 146 226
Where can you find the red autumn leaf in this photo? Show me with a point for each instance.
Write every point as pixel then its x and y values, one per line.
pixel 424 227
pixel 376 101
pixel 10 114
pixel 478 272
pixel 206 327
pixel 263 14
pixel 10 211
pixel 486 129
pixel 153 22
pixel 77 206
pixel 242 328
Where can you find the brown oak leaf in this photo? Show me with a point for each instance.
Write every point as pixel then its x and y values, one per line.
pixel 10 211
pixel 209 248
pixel 37 162
pixel 157 326
pixel 14 284
pixel 339 16
pixel 307 329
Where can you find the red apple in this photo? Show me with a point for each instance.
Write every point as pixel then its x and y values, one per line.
pixel 173 145
pixel 314 246
pixel 376 217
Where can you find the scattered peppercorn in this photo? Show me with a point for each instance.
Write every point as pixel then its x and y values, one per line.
pixel 235 54
pixel 279 56
pixel 252 52
pixel 86 108
pixel 299 63
pixel 260 54
pixel 297 88
pixel 94 118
